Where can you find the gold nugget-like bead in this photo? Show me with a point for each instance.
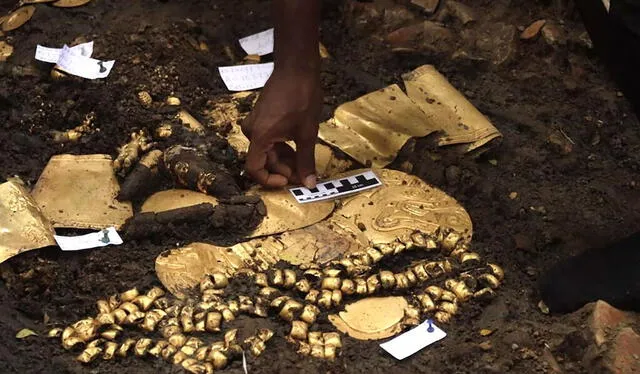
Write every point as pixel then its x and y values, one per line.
pixel 265 334
pixel 312 296
pixel 178 357
pixel 448 307
pixel 260 311
pixel 186 319
pixel 142 346
pixel 420 273
pixel 313 275
pixel 411 316
pixel 168 351
pixel 124 347
pixel 460 289
pixel 387 280
pixel 449 242
pixel 304 349
pixel 484 294
pixel 442 317
pixel 289 309
pixel 375 255
pixel 331 283
pixel 398 247
pixel 129 307
pixel 152 318
pixel 202 353
pixel 71 342
pixel 173 101
pixel 303 285
pixel 234 306
pixel 309 313
pixel 156 350
pixel 171 330
pixel 177 340
pixel 144 302
pixel 348 287
pixel 105 319
pixel 329 352
pixel 332 338
pixel 418 240
pixel 489 280
pixel 103 306
pixel 257 347
pixel 373 284
pixel 279 301
pixel 211 295
pixel 145 99
pixel 448 296
pixel 227 315
pixel 434 291
pixel 361 286
pixel 85 329
pixel 332 273
pixel 54 333
pixel 261 280
pixel 497 271
pixel 129 295
pixel 385 249
pixel 230 337
pixel 213 321
pixel 336 297
pixel 218 359
pixel 134 318
pixel 109 350
pixel 89 354
pixel 411 277
pixel 299 330
pixel 269 293
pixel 324 301
pixel 315 338
pixel 401 281
pixel 220 280
pixel 469 257
pixel 156 292
pixel 162 303
pixel 317 351
pixel 111 334
pixel 426 302
pixel 289 278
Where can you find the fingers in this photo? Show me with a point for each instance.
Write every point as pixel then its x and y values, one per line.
pixel 255 166
pixel 281 160
pixel 306 161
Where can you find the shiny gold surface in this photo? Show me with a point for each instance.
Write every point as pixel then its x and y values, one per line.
pixel 190 122
pixel 22 224
pixel 6 50
pixel 80 192
pixel 285 214
pixel 401 206
pixel 18 18
pixel 460 120
pixel 69 3
pixel 372 318
pixel 174 199
pixel 373 128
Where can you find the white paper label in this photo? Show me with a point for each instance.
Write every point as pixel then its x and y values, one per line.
pixel 337 187
pixel 101 238
pixel 82 66
pixel 52 55
pixel 414 340
pixel 258 44
pixel 246 77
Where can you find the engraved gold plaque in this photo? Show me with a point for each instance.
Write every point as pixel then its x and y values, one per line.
pixel 373 128
pixel 284 213
pixel 401 206
pixel 69 3
pixel 183 268
pixel 174 199
pixel 80 192
pixel 22 225
pixel 18 18
pixel 372 318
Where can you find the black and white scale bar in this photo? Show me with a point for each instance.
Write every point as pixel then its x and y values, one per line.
pixel 337 187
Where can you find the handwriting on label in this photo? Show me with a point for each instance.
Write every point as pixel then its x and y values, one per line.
pixel 246 77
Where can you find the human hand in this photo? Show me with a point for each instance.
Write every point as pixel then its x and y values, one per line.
pixel 288 109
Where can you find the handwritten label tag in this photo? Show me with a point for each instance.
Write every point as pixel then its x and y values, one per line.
pixel 258 44
pixel 82 66
pixel 246 77
pixel 101 238
pixel 52 55
pixel 413 340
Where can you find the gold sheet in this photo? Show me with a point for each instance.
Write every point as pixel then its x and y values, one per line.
pixel 372 318
pixel 373 128
pixel 80 192
pixel 22 225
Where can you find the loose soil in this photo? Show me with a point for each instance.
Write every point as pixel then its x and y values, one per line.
pixel 570 153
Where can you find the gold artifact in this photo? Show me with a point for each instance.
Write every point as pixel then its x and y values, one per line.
pixel 373 128
pixel 18 18
pixel 69 3
pixel 173 101
pixel 190 122
pixel 371 318
pixel 23 226
pixel 79 192
pixel 174 199
pixel 145 99
pixel 73 135
pixel 129 153
pixel 6 50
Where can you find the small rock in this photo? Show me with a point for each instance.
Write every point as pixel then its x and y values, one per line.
pixel 397 16
pixel 553 34
pixel 560 143
pixel 462 12
pixel 426 6
pixel 486 332
pixel 513 195
pixel 425 36
pixel 514 346
pixel 604 317
pixel 361 17
pixel 533 30
pixel 486 345
pixel 496 42
pixel 625 349
pixel 452 175
pixel 493 162
pixel 407 167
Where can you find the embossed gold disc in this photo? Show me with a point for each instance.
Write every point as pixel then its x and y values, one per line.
pixel 183 268
pixel 284 213
pixel 80 192
pixel 401 206
pixel 69 3
pixel 371 318
pixel 22 224
pixel 18 18
pixel 174 199
pixel 373 128
pixel 6 50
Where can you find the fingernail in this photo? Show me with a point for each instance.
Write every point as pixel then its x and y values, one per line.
pixel 310 181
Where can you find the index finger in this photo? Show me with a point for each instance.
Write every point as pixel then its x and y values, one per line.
pixel 255 166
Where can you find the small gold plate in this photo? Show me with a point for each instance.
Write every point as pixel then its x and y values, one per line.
pixel 69 3
pixel 80 192
pixel 22 225
pixel 6 50
pixel 372 318
pixel 18 18
pixel 174 199
pixel 401 206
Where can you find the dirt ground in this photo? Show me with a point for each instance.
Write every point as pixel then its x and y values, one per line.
pixel 571 152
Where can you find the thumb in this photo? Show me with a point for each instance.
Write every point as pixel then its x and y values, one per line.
pixel 306 161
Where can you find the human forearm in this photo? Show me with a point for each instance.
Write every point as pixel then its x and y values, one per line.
pixel 297 35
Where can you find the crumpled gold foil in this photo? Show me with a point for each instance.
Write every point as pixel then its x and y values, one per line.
pixel 401 206
pixel 372 318
pixel 373 128
pixel 174 199
pixel 80 192
pixel 22 225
